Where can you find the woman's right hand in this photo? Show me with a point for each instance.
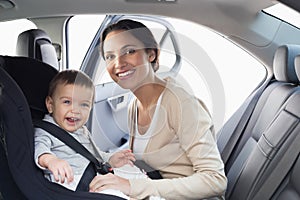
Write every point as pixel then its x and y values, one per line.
pixel 60 169
pixel 110 181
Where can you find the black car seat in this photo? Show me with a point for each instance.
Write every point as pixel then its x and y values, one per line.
pixel 33 77
pixel 35 43
pixel 19 76
pixel 240 162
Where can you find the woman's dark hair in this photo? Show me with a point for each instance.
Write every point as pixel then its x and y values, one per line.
pixel 139 31
pixel 67 77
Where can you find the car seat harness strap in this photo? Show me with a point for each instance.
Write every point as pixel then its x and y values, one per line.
pixel 101 166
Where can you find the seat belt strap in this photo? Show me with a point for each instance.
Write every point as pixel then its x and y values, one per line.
pixel 102 167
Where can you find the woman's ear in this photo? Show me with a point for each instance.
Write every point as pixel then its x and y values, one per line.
pixel 49 104
pixel 151 55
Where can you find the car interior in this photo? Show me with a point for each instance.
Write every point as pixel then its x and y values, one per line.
pixel 259 143
pixel 36 43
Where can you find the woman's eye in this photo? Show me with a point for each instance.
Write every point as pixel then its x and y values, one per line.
pixel 109 57
pixel 130 51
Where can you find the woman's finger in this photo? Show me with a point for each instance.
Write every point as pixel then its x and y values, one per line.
pixel 103 181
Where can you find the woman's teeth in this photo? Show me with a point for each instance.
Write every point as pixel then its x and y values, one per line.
pixel 125 73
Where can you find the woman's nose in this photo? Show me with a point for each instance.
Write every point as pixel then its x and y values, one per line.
pixel 119 62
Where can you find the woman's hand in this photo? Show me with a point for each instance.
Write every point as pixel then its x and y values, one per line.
pixel 110 181
pixel 121 158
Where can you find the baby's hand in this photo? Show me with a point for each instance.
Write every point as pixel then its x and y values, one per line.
pixel 121 158
pixel 60 169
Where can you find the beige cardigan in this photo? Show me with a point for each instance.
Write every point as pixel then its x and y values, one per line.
pixel 183 148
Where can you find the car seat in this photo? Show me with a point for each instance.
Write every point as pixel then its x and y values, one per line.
pixel 289 188
pixel 35 43
pixel 248 166
pixel 20 177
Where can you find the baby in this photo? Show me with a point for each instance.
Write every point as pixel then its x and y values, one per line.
pixel 69 102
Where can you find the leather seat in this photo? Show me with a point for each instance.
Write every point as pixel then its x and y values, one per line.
pixel 245 165
pixel 290 186
pixel 35 43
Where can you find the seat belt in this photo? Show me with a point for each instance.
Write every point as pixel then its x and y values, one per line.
pixel 231 139
pixel 101 167
pixel 282 168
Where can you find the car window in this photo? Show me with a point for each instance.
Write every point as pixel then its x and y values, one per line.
pixel 9 33
pixel 82 30
pixel 78 47
pixel 216 70
pixel 285 13
pixel 213 68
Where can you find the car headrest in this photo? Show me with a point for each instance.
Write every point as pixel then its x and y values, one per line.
pixel 35 43
pixel 33 77
pixel 283 63
pixel 297 66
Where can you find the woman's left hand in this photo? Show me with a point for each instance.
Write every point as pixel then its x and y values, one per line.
pixel 121 158
pixel 110 181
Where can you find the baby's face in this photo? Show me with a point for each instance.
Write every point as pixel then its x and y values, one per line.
pixel 70 106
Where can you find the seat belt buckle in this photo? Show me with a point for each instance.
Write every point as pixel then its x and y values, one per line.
pixel 104 168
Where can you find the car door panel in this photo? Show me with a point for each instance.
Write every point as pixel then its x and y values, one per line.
pixel 109 121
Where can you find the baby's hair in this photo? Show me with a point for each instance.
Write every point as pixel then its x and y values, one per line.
pixel 67 77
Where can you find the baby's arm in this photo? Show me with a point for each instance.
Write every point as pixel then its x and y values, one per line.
pixel 122 158
pixel 60 168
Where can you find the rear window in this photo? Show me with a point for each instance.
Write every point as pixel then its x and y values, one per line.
pixel 9 34
pixel 284 13
pixel 213 68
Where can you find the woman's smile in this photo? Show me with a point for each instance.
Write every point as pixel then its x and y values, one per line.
pixel 125 74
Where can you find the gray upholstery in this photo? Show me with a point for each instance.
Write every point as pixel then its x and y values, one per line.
pixel 290 187
pixel 283 63
pixel 269 150
pixel 250 160
pixel 35 43
pixel 297 65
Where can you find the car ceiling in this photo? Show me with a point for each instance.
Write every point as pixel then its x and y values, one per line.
pixel 225 12
pixel 232 18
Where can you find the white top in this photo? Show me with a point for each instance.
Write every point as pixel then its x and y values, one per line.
pixel 141 140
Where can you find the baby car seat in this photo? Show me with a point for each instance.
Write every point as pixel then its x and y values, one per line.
pixel 23 88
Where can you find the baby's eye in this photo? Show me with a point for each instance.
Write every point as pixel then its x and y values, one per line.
pixel 85 105
pixel 67 102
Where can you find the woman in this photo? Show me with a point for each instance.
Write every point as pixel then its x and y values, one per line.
pixel 170 129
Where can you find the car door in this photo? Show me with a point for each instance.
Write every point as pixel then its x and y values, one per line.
pixel 108 119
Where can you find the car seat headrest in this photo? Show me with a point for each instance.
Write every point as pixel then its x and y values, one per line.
pixel 33 77
pixel 35 43
pixel 283 63
pixel 297 66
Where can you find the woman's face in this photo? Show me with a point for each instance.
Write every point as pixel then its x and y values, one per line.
pixel 127 62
